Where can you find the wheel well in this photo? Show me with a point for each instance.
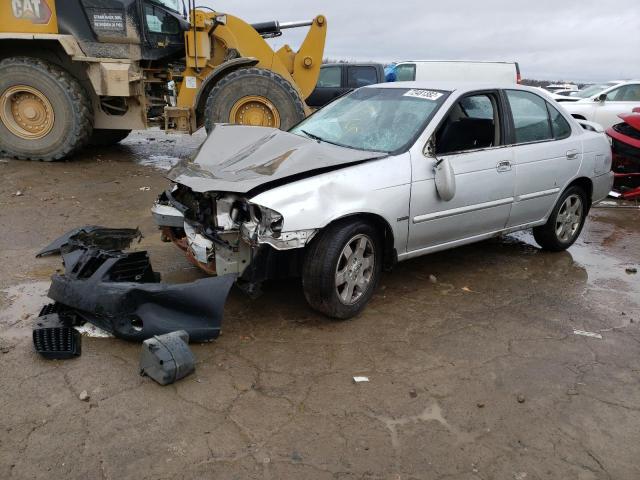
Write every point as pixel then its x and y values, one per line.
pixel 390 255
pixel 51 51
pixel 586 184
pixel 579 117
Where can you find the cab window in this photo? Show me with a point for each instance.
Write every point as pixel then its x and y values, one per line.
pixel 530 117
pixel 471 124
pixel 361 76
pixel 159 21
pixel 329 77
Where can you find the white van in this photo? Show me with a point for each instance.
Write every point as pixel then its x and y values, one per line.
pixel 457 70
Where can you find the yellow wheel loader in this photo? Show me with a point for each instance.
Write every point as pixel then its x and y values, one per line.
pixel 78 72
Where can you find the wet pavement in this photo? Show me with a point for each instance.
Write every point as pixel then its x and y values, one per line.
pixel 476 375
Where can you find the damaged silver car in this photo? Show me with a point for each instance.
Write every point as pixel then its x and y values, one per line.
pixel 384 174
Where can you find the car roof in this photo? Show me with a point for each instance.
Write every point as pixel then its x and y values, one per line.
pixel 452 86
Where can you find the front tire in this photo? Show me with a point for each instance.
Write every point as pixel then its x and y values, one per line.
pixel 565 222
pixel 45 114
pixel 342 268
pixel 254 96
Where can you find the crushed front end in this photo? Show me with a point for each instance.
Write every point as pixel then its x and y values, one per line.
pixel 225 233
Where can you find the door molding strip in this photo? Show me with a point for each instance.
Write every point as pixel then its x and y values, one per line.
pixel 461 210
pixel 542 193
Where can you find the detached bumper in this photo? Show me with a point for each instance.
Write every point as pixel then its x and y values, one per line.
pixel 120 293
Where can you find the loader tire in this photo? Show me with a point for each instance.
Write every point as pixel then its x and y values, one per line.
pixel 45 114
pixel 105 138
pixel 254 96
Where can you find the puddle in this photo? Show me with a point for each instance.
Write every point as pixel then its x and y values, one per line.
pixel 23 303
pixel 600 266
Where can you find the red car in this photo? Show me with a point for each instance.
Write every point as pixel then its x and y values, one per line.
pixel 625 143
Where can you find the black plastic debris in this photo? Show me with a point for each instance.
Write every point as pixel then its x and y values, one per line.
pixel 93 236
pixel 167 358
pixel 121 293
pixel 55 337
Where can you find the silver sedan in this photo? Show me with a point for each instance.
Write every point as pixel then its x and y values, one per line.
pixel 384 174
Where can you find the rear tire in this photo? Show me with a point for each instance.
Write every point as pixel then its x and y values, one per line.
pixel 336 283
pixel 45 114
pixel 254 96
pixel 565 222
pixel 105 138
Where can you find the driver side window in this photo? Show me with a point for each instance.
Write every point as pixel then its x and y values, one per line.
pixel 626 93
pixel 472 123
pixel 615 95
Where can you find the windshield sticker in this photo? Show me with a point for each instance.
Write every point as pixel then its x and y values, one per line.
pixel 424 94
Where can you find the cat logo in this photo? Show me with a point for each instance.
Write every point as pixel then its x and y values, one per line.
pixel 37 11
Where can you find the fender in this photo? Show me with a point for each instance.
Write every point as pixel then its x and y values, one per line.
pixel 67 42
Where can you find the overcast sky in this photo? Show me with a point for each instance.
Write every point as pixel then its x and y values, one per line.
pixel 580 40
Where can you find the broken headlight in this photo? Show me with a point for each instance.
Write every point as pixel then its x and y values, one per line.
pixel 265 227
pixel 268 222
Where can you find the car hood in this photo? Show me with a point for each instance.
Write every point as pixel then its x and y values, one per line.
pixel 238 158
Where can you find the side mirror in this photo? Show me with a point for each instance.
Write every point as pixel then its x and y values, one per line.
pixel 445 179
pixel 600 98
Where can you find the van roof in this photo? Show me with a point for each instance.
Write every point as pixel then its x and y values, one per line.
pixel 457 61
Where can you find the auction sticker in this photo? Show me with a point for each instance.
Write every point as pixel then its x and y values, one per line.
pixel 424 94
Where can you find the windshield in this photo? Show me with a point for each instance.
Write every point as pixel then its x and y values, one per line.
pixel 592 90
pixel 174 5
pixel 377 119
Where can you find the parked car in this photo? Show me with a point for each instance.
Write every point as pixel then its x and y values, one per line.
pixel 565 93
pixel 558 87
pixel 590 91
pixel 457 71
pixel 605 106
pixel 336 79
pixel 384 174
pixel 625 144
pixel 574 96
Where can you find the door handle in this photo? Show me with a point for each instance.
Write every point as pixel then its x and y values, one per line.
pixel 503 166
pixel 572 154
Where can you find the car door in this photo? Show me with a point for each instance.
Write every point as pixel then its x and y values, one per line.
pixel 619 100
pixel 471 137
pixel 546 155
pixel 329 87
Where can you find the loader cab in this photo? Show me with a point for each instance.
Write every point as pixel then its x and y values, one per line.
pixel 130 29
pixel 163 27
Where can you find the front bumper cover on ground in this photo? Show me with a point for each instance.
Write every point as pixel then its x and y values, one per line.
pixel 120 293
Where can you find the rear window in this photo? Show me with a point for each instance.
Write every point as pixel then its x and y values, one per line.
pixel 559 125
pixel 406 72
pixel 530 117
